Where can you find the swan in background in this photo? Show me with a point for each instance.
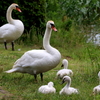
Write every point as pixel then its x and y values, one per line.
pixel 67 89
pixel 45 89
pixel 38 61
pixel 96 90
pixel 99 77
pixel 61 73
pixel 13 29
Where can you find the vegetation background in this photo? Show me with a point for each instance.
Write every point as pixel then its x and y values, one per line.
pixel 74 19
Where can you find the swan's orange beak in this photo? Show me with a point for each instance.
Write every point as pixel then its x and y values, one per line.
pixel 54 28
pixel 18 9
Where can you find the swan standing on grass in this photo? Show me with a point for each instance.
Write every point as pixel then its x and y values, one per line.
pixel 67 89
pixel 38 61
pixel 96 90
pixel 45 89
pixel 13 29
pixel 61 73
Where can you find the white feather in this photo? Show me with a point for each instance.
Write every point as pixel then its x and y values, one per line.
pixel 45 89
pixel 61 73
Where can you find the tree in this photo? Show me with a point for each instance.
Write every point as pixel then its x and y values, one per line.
pixel 81 11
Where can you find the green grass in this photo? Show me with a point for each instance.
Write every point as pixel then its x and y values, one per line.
pixel 83 60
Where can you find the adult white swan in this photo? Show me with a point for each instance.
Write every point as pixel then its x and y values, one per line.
pixel 38 61
pixel 61 73
pixel 67 89
pixel 13 29
pixel 49 88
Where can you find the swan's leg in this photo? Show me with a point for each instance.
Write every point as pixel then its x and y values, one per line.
pixel 5 44
pixel 35 76
pixel 12 43
pixel 41 75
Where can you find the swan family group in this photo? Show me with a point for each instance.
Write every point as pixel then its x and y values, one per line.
pixel 37 61
pixel 65 74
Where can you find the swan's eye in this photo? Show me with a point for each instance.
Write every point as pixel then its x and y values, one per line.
pixel 17 6
pixel 64 79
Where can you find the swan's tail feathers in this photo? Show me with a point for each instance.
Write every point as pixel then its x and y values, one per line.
pixel 11 71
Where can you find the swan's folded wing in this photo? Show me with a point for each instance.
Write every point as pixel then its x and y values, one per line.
pixel 30 58
pixel 6 30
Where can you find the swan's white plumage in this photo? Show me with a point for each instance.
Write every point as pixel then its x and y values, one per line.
pixel 67 89
pixel 49 88
pixel 61 73
pixel 96 90
pixel 39 61
pixel 99 77
pixel 13 29
pixel 99 74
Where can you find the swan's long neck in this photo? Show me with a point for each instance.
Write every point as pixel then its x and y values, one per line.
pixel 68 84
pixel 65 65
pixel 46 39
pixel 9 15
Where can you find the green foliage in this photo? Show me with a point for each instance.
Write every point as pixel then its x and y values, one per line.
pixel 67 24
pixel 82 11
pixel 52 10
pixel 33 14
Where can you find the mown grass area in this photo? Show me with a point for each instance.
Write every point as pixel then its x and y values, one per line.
pixel 83 60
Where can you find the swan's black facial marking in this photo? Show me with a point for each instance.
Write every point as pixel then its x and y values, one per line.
pixel 52 25
pixel 17 6
pixel 62 65
pixel 63 81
